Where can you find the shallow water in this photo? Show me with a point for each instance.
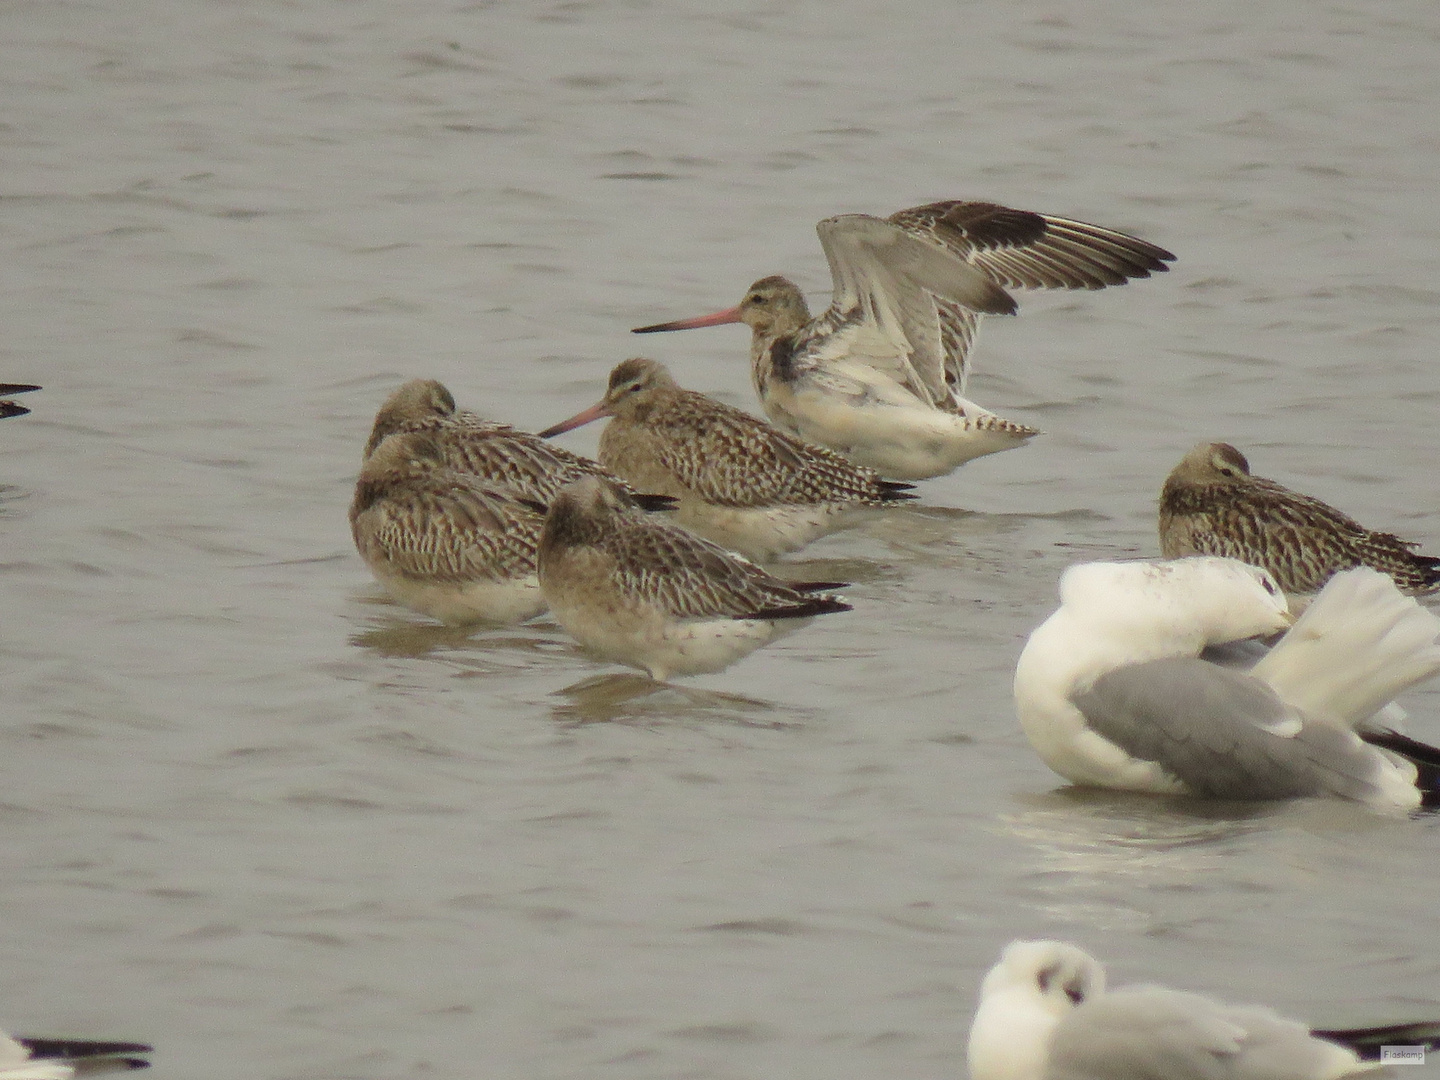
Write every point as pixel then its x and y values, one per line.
pixel 260 816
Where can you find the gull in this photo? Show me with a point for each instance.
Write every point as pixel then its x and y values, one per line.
pixel 1212 505
pixel 445 543
pixel 1045 1014
pixel 24 1058
pixel 646 592
pixel 880 375
pixel 525 464
pixel 1112 691
pixel 13 408
pixel 740 482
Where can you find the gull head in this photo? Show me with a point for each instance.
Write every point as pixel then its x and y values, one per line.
pixel 1207 598
pixel 1035 985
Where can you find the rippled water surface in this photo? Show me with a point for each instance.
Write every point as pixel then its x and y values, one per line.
pixel 257 814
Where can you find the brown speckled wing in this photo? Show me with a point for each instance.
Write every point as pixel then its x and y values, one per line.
pixel 450 532
pixel 1020 249
pixel 730 458
pixel 691 578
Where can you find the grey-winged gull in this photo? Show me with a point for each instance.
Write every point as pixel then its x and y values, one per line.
pixel 1112 691
pixel 1045 1015
pixel 1212 505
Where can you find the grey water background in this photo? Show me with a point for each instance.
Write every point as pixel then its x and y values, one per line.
pixel 254 813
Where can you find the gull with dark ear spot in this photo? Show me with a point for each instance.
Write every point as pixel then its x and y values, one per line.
pixel 445 543
pixel 740 481
pixel 525 464
pixel 1113 690
pixel 880 375
pixel 24 1058
pixel 1212 505
pixel 13 408
pixel 1045 1014
pixel 639 590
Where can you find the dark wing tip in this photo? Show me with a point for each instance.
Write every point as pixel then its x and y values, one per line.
pixel 1367 1042
pixel 816 586
pixel 17 388
pixel 70 1049
pixel 10 408
pixel 803 609
pixel 894 491
pixel 656 503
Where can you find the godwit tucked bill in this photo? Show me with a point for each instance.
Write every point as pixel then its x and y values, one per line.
pixel 525 464
pixel 1212 505
pixel 642 591
pixel 446 543
pixel 25 1058
pixel 880 375
pixel 1045 1014
pixel 740 481
pixel 13 408
pixel 1112 690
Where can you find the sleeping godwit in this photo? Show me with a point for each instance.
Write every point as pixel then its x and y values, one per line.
pixel 741 482
pixel 1212 505
pixel 445 543
pixel 14 408
pixel 643 591
pixel 523 463
pixel 880 375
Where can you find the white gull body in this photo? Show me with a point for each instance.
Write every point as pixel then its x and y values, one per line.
pixel 1045 1014
pixel 1112 692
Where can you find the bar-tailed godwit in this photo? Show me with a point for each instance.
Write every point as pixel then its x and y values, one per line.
pixel 880 375
pixel 740 481
pixel 639 590
pixel 1212 505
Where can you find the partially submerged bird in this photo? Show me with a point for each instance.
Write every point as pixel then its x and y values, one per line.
pixel 24 1058
pixel 446 543
pixel 643 591
pixel 1212 505
pixel 13 408
pixel 880 375
pixel 1045 1014
pixel 740 482
pixel 1112 691
pixel 524 463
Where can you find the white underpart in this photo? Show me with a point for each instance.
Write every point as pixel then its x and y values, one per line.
pixel 766 532
pixel 457 603
pixel 1115 614
pixel 17 1064
pixel 662 645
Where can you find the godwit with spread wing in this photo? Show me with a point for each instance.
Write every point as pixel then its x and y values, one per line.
pixel 14 408
pixel 741 482
pixel 1211 505
pixel 639 590
pixel 880 375
pixel 523 463
pixel 443 542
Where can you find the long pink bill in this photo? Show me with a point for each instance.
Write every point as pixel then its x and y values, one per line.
pixel 720 318
pixel 595 412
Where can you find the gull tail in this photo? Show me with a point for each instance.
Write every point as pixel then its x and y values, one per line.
pixel 1366 1042
pixel 1359 644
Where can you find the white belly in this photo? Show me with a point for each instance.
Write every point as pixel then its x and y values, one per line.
pixel 457 603
pixel 762 534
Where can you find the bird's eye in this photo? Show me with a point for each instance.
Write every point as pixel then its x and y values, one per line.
pixel 1270 587
pixel 1075 994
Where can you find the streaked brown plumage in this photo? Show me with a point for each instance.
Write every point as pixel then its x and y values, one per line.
pixel 526 464
pixel 880 375
pixel 644 591
pixel 445 543
pixel 740 481
pixel 1212 505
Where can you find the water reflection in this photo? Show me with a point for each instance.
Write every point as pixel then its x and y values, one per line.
pixel 637 699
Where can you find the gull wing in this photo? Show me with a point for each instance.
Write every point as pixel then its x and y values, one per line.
pixel 1154 1033
pixel 1227 735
